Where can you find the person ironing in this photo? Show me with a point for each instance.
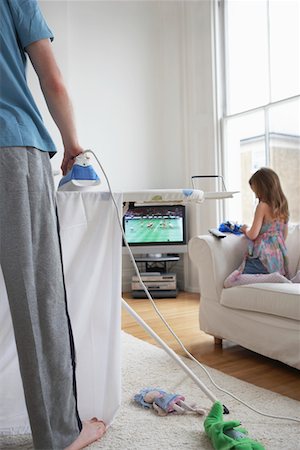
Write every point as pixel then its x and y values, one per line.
pixel 30 255
pixel 267 253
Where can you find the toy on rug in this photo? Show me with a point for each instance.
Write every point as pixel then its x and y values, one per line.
pixel 227 435
pixel 164 403
pixel 230 227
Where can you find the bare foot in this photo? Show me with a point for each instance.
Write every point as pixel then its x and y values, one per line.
pixel 92 430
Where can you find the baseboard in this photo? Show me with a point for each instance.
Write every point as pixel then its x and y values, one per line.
pixel 192 289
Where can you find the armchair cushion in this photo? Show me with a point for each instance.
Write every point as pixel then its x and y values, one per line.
pixel 280 299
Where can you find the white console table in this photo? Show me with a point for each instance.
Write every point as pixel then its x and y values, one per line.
pixel 91 245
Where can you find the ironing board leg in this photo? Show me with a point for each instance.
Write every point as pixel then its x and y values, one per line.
pixel 170 352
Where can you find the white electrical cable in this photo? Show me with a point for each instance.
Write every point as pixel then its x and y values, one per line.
pixel 295 419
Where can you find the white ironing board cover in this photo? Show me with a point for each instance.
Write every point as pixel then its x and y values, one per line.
pixel 164 195
pixel 91 246
pixel 219 195
pixel 175 195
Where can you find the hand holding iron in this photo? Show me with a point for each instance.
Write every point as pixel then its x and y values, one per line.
pixel 69 158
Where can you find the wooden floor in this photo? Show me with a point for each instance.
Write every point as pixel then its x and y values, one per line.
pixel 182 315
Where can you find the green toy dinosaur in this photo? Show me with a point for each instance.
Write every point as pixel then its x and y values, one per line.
pixel 226 435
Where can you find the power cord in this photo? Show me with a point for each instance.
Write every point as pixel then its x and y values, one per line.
pixel 295 419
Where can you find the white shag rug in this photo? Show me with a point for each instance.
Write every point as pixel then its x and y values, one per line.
pixel 136 428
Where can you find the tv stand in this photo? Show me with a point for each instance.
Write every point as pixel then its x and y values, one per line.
pixel 157 262
pixel 158 281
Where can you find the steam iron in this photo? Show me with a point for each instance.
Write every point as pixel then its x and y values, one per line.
pixel 81 176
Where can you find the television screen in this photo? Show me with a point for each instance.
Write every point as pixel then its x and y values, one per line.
pixel 154 225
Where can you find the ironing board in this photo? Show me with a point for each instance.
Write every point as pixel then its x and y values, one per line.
pixel 164 196
pixel 91 245
pixel 174 196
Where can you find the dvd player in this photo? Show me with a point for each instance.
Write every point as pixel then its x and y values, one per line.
pixel 159 285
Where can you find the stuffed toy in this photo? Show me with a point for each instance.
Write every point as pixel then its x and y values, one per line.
pixel 227 435
pixel 164 403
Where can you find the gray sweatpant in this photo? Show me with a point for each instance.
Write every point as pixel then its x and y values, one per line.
pixel 31 263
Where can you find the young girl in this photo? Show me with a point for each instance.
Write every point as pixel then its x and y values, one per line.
pixel 266 258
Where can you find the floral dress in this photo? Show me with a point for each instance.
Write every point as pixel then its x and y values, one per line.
pixel 269 247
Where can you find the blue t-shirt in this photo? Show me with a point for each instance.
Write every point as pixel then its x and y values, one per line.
pixel 21 124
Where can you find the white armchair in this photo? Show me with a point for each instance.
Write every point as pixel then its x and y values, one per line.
pixel 263 317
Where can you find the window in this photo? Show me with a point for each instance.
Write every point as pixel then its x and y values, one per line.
pixel 261 108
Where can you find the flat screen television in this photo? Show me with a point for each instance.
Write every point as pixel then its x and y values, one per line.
pixel 155 225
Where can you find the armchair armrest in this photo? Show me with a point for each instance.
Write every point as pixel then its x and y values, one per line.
pixel 215 260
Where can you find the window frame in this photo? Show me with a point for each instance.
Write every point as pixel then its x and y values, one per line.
pixel 221 62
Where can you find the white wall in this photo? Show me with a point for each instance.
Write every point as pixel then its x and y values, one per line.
pixel 140 74
pixel 200 116
pixel 118 59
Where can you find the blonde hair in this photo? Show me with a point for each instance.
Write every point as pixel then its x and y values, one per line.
pixel 266 185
